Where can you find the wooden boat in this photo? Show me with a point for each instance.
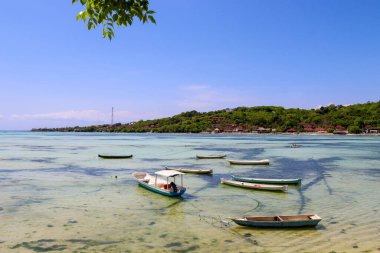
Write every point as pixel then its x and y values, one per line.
pixel 190 170
pixel 249 162
pixel 268 187
pixel 268 180
pixel 115 156
pixel 219 156
pixel 165 187
pixel 305 220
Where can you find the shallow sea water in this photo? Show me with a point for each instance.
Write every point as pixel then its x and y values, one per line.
pixel 58 196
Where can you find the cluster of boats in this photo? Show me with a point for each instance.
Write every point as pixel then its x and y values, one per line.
pixel 269 184
pixel 169 182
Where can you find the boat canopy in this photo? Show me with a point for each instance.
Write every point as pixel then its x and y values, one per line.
pixel 168 173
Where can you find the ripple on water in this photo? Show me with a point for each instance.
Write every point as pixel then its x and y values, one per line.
pixel 56 194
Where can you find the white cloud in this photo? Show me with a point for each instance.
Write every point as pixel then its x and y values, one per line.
pixel 71 118
pixel 85 115
pixel 205 97
pixel 195 87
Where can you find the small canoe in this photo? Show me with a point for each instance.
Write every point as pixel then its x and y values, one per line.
pixel 268 180
pixel 166 187
pixel 249 162
pixel 211 156
pixel 268 187
pixel 305 220
pixel 115 156
pixel 190 170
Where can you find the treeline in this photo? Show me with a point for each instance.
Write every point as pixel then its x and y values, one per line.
pixel 356 118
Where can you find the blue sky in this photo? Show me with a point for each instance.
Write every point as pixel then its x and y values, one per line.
pixel 201 55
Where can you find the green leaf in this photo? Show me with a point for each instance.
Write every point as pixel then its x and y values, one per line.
pixel 84 15
pixel 90 25
pixel 79 15
pixel 115 17
pixel 151 18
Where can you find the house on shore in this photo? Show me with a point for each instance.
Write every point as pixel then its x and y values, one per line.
pixel 341 132
pixel 372 130
pixel 262 130
pixel 292 131
pixel 321 130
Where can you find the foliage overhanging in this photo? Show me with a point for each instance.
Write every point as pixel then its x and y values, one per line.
pixel 110 12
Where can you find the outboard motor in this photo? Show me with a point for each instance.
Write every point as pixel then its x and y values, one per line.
pixel 174 186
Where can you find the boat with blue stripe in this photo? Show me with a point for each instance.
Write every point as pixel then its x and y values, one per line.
pixel 166 187
pixel 268 180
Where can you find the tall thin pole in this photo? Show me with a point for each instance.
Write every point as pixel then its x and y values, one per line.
pixel 112 117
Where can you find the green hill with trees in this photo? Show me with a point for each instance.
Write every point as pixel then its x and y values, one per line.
pixel 357 118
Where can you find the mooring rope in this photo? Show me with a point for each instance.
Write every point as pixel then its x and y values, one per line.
pixel 218 221
pixel 215 221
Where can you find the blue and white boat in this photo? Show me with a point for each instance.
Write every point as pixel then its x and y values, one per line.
pixel 268 187
pixel 155 184
pixel 268 180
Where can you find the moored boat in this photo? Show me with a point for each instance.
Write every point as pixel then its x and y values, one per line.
pixel 305 220
pixel 217 156
pixel 165 187
pixel 115 156
pixel 268 180
pixel 249 162
pixel 190 170
pixel 267 187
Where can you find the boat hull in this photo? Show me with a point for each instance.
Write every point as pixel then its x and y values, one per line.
pixel 271 222
pixel 162 192
pixel 266 187
pixel 210 156
pixel 267 180
pixel 249 162
pixel 115 156
pixel 190 170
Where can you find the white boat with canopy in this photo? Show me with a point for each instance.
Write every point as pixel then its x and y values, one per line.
pixel 166 187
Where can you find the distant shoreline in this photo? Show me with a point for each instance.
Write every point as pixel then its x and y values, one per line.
pixel 357 119
pixel 209 133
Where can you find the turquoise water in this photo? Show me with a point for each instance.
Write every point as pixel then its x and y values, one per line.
pixel 57 195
